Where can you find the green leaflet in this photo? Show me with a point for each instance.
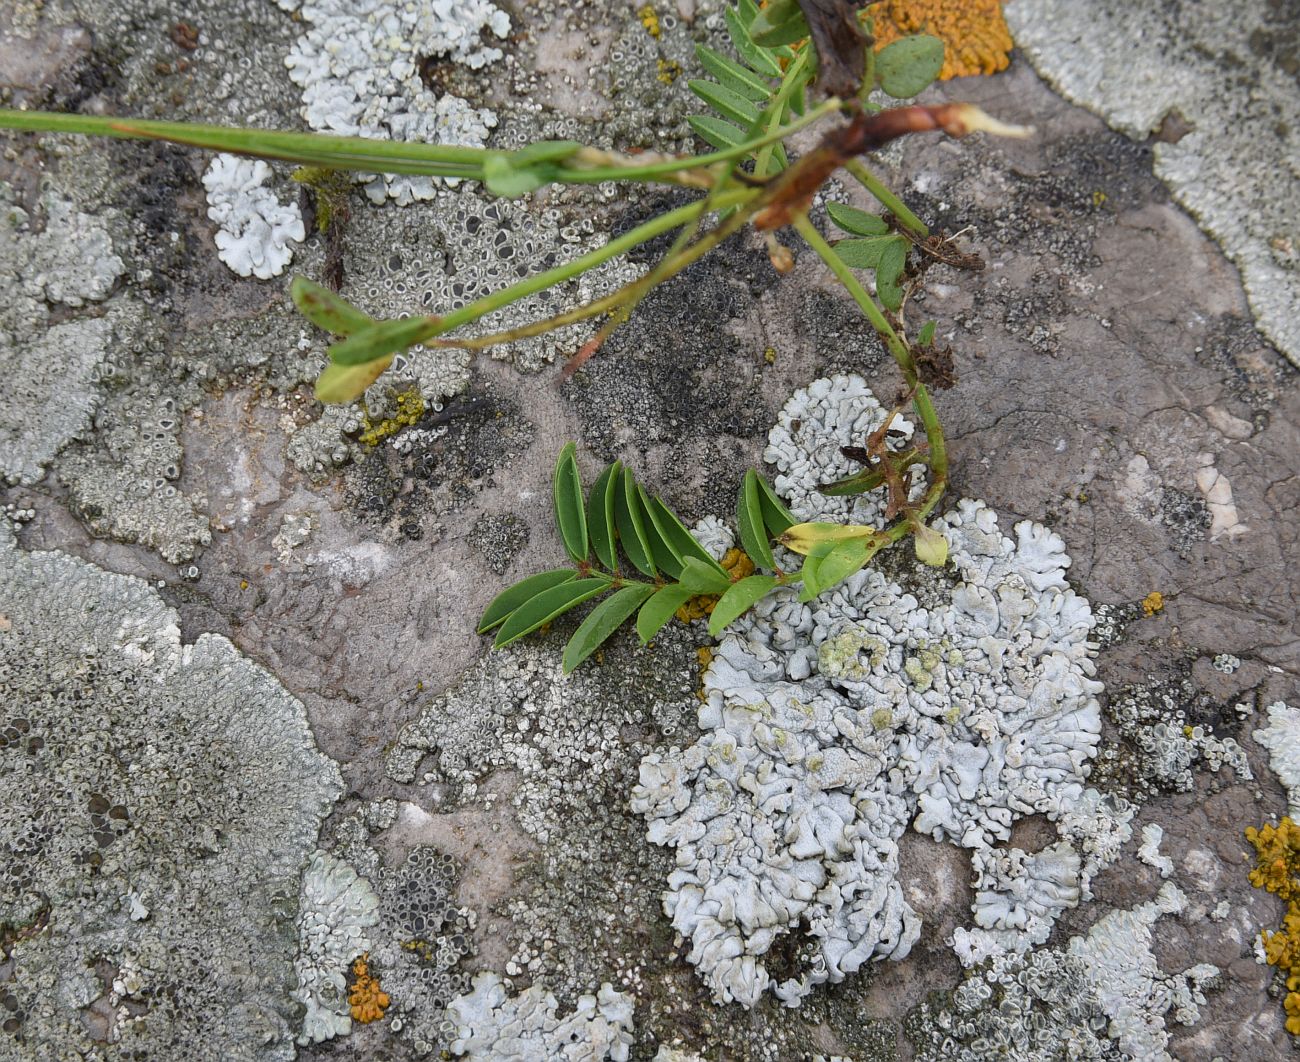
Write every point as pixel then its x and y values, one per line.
pixel 570 513
pixel 820 573
pixel 856 221
pixel 631 526
pixel 757 58
pixel 749 521
pixel 603 621
pixel 344 383
pixel 664 555
pixel 383 337
pixel 739 600
pixel 780 22
pixel 907 66
pixel 727 103
pixel 600 514
pixel 867 253
pixel 701 578
pixel 715 132
pixel 776 516
pixel 926 336
pixel 327 310
pixel 512 597
pixel 734 76
pixel 660 609
pixel 892 263
pixel 546 606
pixel 677 538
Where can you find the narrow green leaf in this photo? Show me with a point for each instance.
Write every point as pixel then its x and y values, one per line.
pixel 677 538
pixel 749 521
pixel 866 253
pixel 327 310
pixel 775 515
pixel 757 58
pixel 513 596
pixel 856 221
pixel 734 76
pixel 822 572
pixel 780 22
pixel 570 514
pixel 926 336
pixel 893 260
pixel 908 65
pixel 600 514
pixel 631 529
pixel 727 103
pixel 739 600
pixel 703 579
pixel 664 555
pixel 747 10
pixel 345 383
pixel 660 609
pixel 546 606
pixel 603 621
pixel 715 132
pixel 383 337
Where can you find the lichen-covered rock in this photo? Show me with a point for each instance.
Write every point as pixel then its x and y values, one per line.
pixel 831 726
pixel 493 1026
pixel 160 805
pixel 1282 739
pixel 336 911
pixel 256 229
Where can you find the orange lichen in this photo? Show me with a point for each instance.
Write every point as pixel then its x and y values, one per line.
pixel 1277 870
pixel 1154 602
pixel 737 565
pixel 365 998
pixel 974 33
pixel 650 20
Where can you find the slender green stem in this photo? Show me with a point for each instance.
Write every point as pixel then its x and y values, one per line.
pixel 777 108
pixel 887 199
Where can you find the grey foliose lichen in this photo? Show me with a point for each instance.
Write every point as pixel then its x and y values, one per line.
pixel 161 800
pixel 1282 739
pixel 493 1026
pixel 831 726
pixel 1139 64
pixel 361 69
pixel 256 230
pixel 1102 996
pixel 51 370
pixel 336 910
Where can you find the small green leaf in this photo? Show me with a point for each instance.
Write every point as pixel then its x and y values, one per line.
pixel 383 337
pixel 327 310
pixel 739 600
pixel 603 621
pixel 631 527
pixel 727 103
pixel 781 22
pixel 703 579
pixel 931 546
pixel 546 606
pixel 660 609
pixel 867 253
pixel 818 537
pixel 513 596
pixel 677 538
pixel 926 336
pixel 908 65
pixel 600 514
pixel 757 58
pixel 715 132
pixel 509 178
pixel 888 271
pixel 776 516
pixel 570 513
pixel 856 221
pixel 345 383
pixel 820 573
pixel 734 76
pixel 749 521
pixel 664 555
pixel 747 10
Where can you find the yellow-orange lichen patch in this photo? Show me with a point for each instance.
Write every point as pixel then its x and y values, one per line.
pixel 366 999
pixel 1154 602
pixel 974 33
pixel 1277 870
pixel 737 565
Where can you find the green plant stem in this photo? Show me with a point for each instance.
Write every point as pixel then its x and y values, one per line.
pixel 938 454
pixel 887 199
pixel 777 108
